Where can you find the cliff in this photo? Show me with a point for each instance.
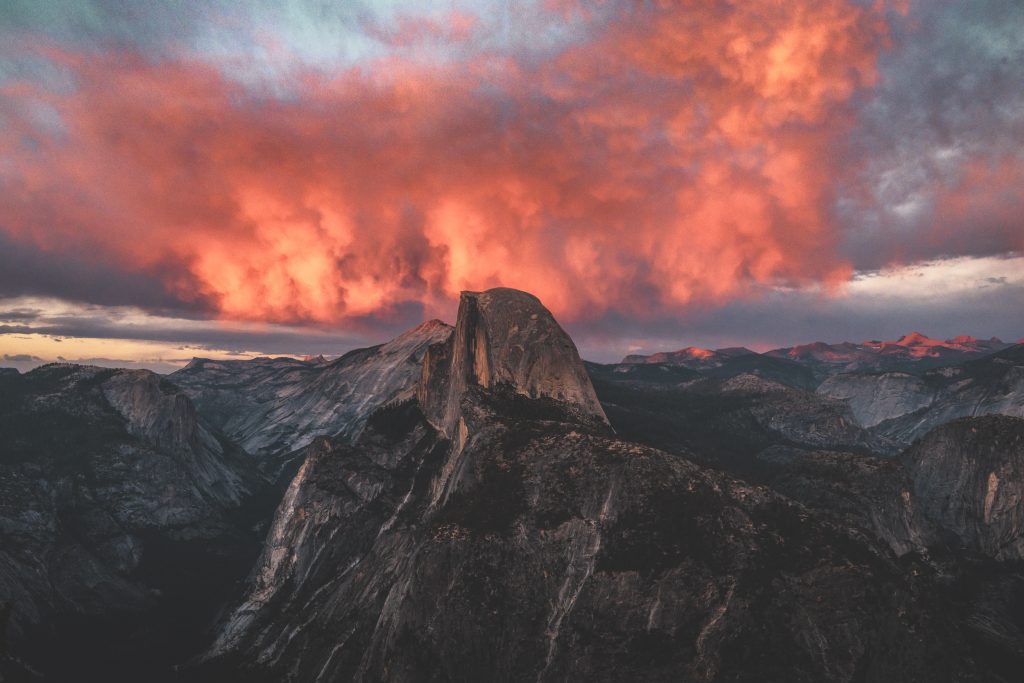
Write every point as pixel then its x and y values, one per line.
pixel 504 337
pixel 968 479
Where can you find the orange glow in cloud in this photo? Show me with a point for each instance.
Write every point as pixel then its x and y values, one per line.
pixel 675 158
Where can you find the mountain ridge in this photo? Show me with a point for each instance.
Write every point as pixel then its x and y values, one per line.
pixel 490 528
pixel 273 406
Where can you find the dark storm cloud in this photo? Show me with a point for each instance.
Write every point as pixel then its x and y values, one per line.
pixel 20 358
pixel 19 315
pixel 25 270
pixel 941 144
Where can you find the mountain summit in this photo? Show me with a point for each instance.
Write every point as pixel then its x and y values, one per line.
pixel 911 352
pixel 506 338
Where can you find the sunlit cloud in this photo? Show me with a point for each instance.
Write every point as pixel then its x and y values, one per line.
pixel 678 154
pixel 941 280
pixel 642 165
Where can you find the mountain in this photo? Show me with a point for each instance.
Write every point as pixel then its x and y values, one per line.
pixel 808 365
pixel 125 521
pixel 272 406
pixel 877 397
pixel 505 338
pixel 859 490
pixel 725 423
pixel 726 363
pixel 913 352
pixel 691 356
pixel 968 476
pixel 952 500
pixel 903 407
pixel 493 527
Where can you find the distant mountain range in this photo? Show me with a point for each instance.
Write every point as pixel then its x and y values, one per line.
pixel 911 352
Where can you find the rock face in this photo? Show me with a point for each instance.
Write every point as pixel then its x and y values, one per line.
pixel 799 416
pixel 272 406
pixel 124 520
pixel 903 407
pixel 854 489
pixel 515 538
pixel 993 385
pixel 561 554
pixel 504 337
pixel 968 478
pixel 876 398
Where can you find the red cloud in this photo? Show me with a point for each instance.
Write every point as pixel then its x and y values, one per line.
pixel 677 157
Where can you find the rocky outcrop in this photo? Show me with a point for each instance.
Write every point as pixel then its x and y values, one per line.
pixel 272 406
pixel 505 337
pixel 124 520
pixel 968 479
pixel 993 385
pixel 875 398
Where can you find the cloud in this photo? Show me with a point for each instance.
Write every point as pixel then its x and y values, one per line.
pixel 43 330
pixel 57 320
pixel 936 158
pixel 676 157
pixel 265 341
pixel 664 167
pixel 19 314
pixel 28 269
pixel 941 298
pixel 21 358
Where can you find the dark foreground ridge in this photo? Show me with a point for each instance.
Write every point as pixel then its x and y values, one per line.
pixel 125 522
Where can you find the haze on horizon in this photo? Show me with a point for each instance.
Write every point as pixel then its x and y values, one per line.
pixel 230 179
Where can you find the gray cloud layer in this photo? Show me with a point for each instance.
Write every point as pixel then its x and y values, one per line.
pixel 951 96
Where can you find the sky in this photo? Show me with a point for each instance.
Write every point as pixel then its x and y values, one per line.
pixel 229 179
